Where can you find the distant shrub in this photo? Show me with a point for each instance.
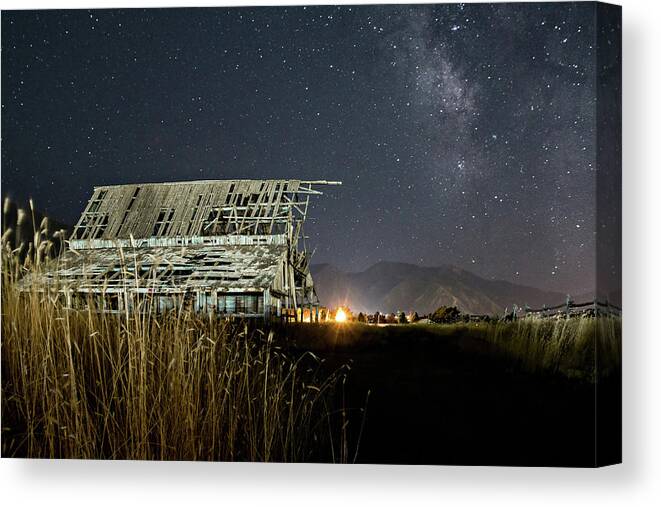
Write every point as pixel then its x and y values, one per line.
pixel 446 315
pixel 390 318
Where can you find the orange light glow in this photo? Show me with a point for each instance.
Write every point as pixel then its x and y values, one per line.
pixel 340 316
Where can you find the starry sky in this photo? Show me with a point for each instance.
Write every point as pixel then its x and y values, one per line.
pixel 463 134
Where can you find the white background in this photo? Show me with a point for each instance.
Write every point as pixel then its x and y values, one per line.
pixel 636 482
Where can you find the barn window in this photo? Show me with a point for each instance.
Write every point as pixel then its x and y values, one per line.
pixel 101 227
pixel 241 304
pixel 81 228
pixel 163 222
pixel 194 214
pixel 251 304
pixel 96 202
pixel 230 304
pixel 128 209
pixel 212 224
pixel 92 226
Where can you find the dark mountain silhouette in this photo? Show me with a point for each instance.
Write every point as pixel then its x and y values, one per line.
pixel 395 286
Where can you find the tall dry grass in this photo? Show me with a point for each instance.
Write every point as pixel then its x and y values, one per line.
pixel 587 348
pixel 87 384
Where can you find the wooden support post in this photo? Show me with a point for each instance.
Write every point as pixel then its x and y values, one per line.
pixel 266 302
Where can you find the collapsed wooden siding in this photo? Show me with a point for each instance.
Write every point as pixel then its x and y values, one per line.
pixel 165 270
pixel 275 239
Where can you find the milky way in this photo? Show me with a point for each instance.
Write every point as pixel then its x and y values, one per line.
pixel 463 134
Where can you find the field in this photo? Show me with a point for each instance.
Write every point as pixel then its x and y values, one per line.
pixel 503 393
pixel 85 384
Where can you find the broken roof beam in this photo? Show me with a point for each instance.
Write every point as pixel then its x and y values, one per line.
pixel 258 204
pixel 320 182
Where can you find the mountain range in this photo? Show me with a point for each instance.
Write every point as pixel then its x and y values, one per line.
pixel 394 286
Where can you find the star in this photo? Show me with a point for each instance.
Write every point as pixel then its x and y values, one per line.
pixel 456 146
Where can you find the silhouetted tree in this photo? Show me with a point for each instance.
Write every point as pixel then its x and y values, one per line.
pixel 446 315
pixel 361 317
pixel 391 318
pixel 402 318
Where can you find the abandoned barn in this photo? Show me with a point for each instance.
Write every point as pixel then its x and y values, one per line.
pixel 232 247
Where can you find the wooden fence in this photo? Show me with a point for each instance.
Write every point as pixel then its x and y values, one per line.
pixel 567 309
pixel 570 308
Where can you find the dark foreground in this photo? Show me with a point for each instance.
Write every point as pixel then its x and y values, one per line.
pixel 456 400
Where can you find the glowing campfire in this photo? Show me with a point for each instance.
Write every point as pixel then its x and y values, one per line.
pixel 340 316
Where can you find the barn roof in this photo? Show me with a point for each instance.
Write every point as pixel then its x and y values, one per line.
pixel 227 268
pixel 194 208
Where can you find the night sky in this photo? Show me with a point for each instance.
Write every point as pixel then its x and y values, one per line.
pixel 463 134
